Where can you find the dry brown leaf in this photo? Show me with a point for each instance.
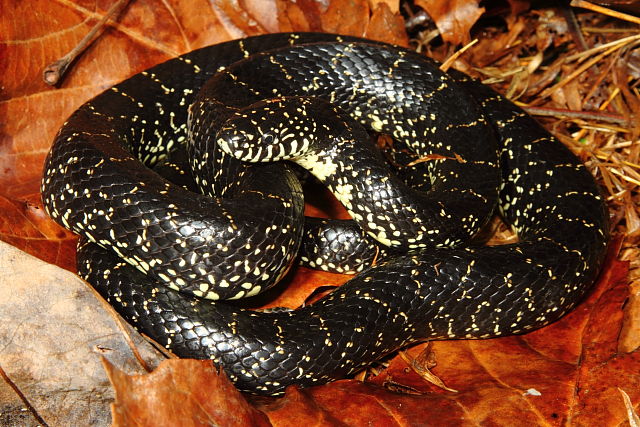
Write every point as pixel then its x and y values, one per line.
pixel 180 393
pixel 553 376
pixel 13 410
pixel 55 330
pixel 296 288
pixel 352 403
pixel 454 19
pixel 630 333
pixel 392 5
pixel 519 6
pixel 387 26
pixel 348 17
pixel 491 49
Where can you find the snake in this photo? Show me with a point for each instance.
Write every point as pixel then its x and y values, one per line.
pixel 174 257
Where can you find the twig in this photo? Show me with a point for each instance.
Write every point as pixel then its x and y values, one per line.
pixel 625 177
pixel 607 30
pixel 574 27
pixel 573 114
pixel 447 64
pixel 597 84
pixel 126 332
pixel 605 11
pixel 54 72
pixel 22 397
pixel 605 46
pixel 588 64
pixel 605 104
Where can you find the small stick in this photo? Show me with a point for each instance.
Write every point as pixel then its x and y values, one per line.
pixel 22 397
pixel 586 53
pixel 572 114
pixel 447 64
pixel 54 72
pixel 126 332
pixel 574 27
pixel 586 65
pixel 606 30
pixel 625 177
pixel 605 11
pixel 129 339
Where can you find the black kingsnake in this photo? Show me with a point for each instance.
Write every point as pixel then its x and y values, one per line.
pixel 244 238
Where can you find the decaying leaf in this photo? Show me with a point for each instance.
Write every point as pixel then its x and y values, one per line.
pixel 54 332
pixel 180 392
pixel 541 378
pixel 454 19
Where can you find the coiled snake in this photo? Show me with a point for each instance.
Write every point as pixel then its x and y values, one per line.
pixel 305 97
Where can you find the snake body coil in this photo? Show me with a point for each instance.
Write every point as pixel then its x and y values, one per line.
pixel 305 97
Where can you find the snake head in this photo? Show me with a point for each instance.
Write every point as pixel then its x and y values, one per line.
pixel 267 131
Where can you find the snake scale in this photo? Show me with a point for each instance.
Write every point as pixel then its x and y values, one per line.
pixel 159 253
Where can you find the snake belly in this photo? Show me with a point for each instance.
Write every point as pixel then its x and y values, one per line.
pixel 139 231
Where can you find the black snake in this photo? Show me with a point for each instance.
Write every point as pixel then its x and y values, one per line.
pixel 305 97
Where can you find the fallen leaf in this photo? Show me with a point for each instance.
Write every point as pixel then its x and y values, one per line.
pixel 630 333
pixel 355 403
pixel 185 393
pixel 25 225
pixel 55 332
pixel 519 6
pixel 13 410
pixel 386 25
pixel 294 290
pixel 560 374
pixel 454 19
pixel 490 49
